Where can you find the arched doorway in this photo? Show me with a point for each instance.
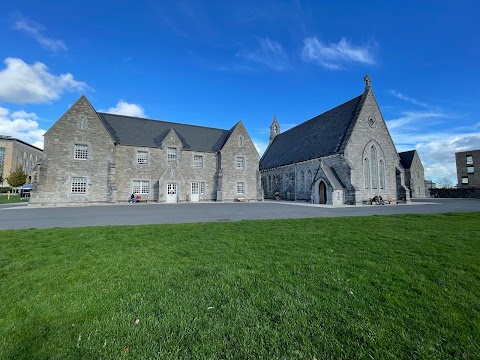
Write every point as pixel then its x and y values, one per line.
pixel 322 191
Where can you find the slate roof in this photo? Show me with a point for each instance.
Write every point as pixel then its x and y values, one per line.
pixel 322 135
pixel 333 178
pixel 134 131
pixel 406 158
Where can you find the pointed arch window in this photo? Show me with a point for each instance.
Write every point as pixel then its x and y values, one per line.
pixel 366 172
pixel 302 180
pixel 381 167
pixel 269 184
pixel 374 167
pixel 309 179
pixel 240 141
pixel 285 181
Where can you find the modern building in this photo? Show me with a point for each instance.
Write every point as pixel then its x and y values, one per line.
pixel 343 156
pixel 14 152
pixel 467 161
pixel 94 157
pixel 414 174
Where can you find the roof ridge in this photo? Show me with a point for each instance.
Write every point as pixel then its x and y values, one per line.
pixel 164 121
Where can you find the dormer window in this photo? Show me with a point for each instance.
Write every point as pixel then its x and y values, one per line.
pixel 141 157
pixel 171 155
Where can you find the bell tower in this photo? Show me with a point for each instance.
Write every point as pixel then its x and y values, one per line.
pixel 274 128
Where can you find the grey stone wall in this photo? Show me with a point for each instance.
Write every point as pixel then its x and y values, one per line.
pixel 364 135
pixel 111 169
pixel 239 144
pixel 415 178
pixel 58 166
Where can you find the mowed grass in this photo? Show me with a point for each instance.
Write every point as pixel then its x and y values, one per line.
pixel 13 198
pixel 380 287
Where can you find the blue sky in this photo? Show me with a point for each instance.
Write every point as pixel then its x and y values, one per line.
pixel 213 63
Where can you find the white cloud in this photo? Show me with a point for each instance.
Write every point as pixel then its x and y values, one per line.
pixel 407 98
pixel 334 56
pixel 416 118
pixel 22 83
pixel 36 30
pixel 128 109
pixel 21 125
pixel 270 54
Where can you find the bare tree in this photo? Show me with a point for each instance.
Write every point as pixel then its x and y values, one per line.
pixel 444 182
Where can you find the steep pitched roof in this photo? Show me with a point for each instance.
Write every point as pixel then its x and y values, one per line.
pixel 322 135
pixel 128 130
pixel 406 158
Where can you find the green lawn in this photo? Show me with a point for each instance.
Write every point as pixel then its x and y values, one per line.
pixel 379 287
pixel 14 198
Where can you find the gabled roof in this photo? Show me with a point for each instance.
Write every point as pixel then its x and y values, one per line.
pixel 322 135
pixel 134 131
pixel 406 158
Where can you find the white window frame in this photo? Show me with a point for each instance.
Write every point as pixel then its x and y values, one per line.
pixel 381 172
pixel 171 155
pixel 198 161
pixel 240 162
pixel 78 185
pixel 469 159
pixel 202 187
pixel 141 187
pixel 240 187
pixel 142 157
pixel 465 180
pixel 470 169
pixel 374 167
pixel 366 172
pixel 80 152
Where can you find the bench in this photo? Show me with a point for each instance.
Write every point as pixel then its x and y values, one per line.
pixel 240 198
pixel 390 200
pixel 138 198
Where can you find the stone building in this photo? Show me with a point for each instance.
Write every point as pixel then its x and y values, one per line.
pixel 93 157
pixel 14 152
pixel 466 174
pixel 414 174
pixel 343 156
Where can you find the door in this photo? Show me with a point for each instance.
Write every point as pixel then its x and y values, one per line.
pixel 172 193
pixel 322 190
pixel 195 197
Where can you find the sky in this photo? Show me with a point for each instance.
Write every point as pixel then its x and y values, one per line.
pixel 213 63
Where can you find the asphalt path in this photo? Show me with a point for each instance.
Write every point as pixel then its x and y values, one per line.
pixel 22 216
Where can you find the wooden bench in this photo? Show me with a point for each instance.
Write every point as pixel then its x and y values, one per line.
pixel 390 200
pixel 240 198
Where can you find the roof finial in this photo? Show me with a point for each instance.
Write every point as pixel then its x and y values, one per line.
pixel 367 80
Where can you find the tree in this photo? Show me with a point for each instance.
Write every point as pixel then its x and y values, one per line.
pixel 444 183
pixel 18 177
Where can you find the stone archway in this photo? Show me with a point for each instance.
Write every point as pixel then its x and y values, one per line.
pixel 322 192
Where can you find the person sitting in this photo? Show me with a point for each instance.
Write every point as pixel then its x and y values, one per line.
pixel 133 199
pixel 380 200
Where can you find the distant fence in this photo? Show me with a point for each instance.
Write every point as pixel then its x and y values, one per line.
pixel 455 193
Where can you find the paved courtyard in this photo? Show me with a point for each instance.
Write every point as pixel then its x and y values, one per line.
pixel 22 216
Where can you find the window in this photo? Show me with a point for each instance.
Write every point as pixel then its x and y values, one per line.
pixel 382 174
pixel 240 162
pixel 374 167
pixel 198 161
pixel 469 159
pixel 465 180
pixel 171 155
pixel 470 169
pixel 240 188
pixel 302 180
pixel 81 152
pixel 309 179
pixel 269 185
pixel 240 141
pixel 141 186
pixel 141 157
pixel 418 190
pixel 202 187
pixel 79 185
pixel 418 175
pixel 366 172
pixel 286 181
